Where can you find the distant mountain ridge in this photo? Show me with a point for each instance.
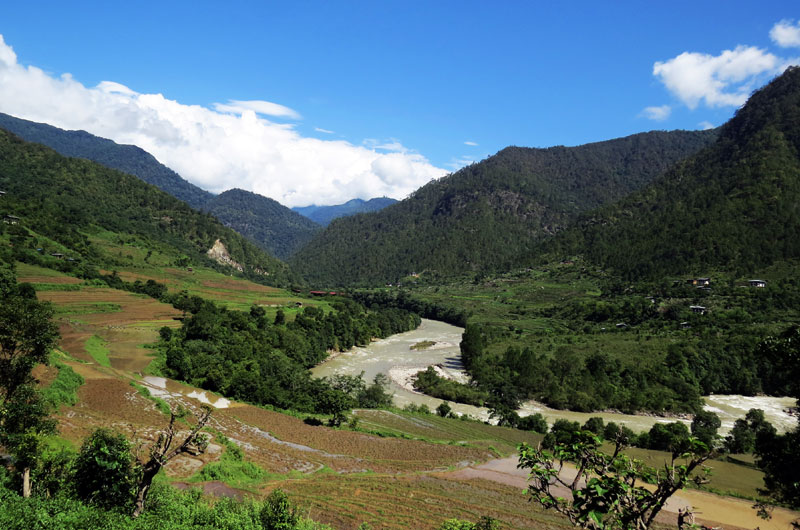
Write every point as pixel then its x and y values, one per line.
pixel 266 222
pixel 325 214
pixel 490 215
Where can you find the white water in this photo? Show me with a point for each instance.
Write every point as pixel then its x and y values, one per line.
pixel 394 357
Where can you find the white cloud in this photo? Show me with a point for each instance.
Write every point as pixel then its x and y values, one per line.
pixel 231 145
pixel 717 81
pixel 657 113
pixel 326 131
pixel 786 34
pixel 266 108
pixel 472 144
pixel 705 125
pixel 392 145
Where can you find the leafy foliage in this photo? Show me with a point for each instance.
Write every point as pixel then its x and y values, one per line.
pixel 105 473
pixel 607 490
pixel 169 509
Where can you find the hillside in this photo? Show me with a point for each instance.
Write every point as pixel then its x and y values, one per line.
pixel 491 214
pixel 268 223
pixel 126 158
pixel 732 206
pixel 64 200
pixel 325 214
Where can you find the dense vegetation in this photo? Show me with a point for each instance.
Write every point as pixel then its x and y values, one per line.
pixel 732 206
pixel 268 223
pixel 488 216
pixel 65 199
pixel 249 358
pixel 575 338
pixel 323 215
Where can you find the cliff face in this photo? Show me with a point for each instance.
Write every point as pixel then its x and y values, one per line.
pixel 219 253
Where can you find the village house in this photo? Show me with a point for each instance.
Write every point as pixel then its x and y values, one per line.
pixel 699 282
pixel 757 283
pixel 699 309
pixel 11 219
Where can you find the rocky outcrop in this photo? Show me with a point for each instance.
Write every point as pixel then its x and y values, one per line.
pixel 219 253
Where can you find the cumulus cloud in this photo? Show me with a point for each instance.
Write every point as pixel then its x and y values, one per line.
pixel 657 113
pixel 230 145
pixel 717 81
pixel 705 125
pixel 472 144
pixel 786 34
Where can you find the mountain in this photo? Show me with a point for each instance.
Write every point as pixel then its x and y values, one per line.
pixel 265 221
pixel 126 158
pixel 269 224
pixel 64 205
pixel 490 215
pixel 325 214
pixel 732 206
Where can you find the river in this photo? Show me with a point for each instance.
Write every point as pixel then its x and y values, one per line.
pixel 393 356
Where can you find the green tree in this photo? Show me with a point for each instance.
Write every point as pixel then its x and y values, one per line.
pixel 705 426
pixel 443 409
pixel 278 512
pixel 778 456
pixel 27 335
pixel 608 489
pixel 105 472
pixel 534 422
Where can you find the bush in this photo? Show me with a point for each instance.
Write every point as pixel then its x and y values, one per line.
pixel 278 512
pixel 104 472
pixel 534 422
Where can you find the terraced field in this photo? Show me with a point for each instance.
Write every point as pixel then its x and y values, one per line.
pixel 393 470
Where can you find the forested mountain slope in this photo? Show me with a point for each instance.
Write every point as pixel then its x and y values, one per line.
pixel 267 222
pixel 732 206
pixel 126 158
pixel 64 199
pixel 325 214
pixel 491 214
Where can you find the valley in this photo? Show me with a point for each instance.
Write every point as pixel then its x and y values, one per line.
pixel 440 467
pixel 635 298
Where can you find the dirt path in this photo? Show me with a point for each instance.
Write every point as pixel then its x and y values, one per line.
pixel 709 509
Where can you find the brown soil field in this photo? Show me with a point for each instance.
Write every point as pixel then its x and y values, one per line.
pixel 339 449
pixel 135 323
pixel 419 501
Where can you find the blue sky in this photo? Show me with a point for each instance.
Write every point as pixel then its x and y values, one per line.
pixel 371 98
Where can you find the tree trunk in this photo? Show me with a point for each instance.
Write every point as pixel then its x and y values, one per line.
pixel 148 474
pixel 26 482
